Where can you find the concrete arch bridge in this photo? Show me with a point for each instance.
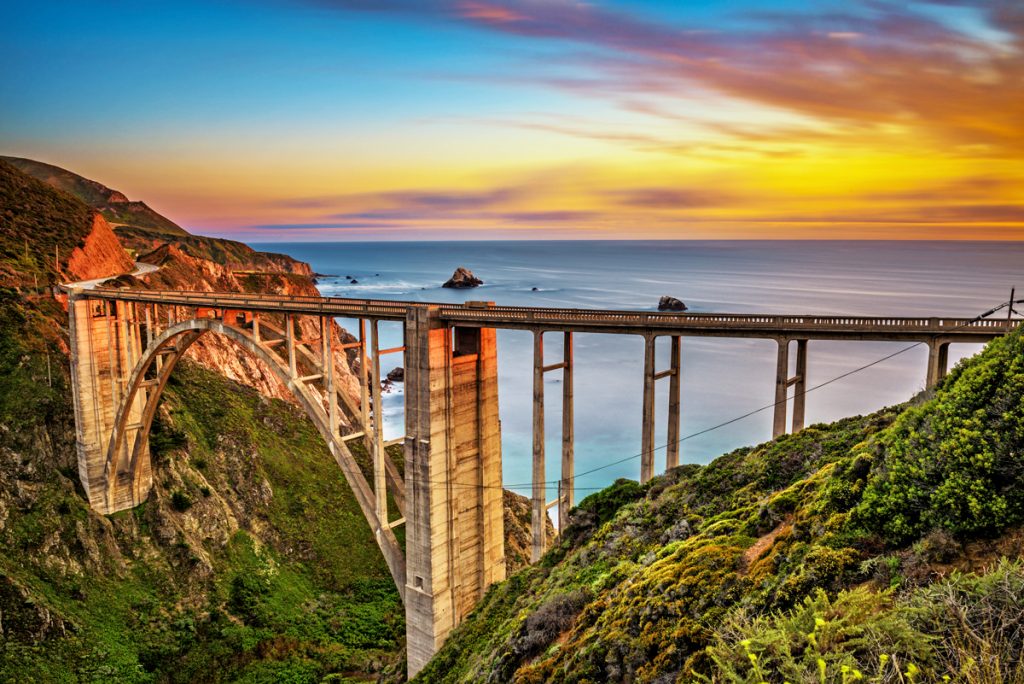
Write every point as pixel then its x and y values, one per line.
pixel 126 343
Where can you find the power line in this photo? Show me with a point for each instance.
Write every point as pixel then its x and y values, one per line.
pixel 553 483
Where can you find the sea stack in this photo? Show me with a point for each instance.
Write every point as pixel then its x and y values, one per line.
pixel 463 278
pixel 667 303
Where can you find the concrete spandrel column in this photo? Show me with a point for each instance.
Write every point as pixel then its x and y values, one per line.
pixel 674 390
pixel 781 388
pixel 800 387
pixel 647 419
pixel 566 492
pixel 539 491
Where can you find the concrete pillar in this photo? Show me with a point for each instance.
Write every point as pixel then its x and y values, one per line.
pixel 938 360
pixel 566 487
pixel 328 371
pixel 289 336
pixel 781 388
pixel 98 359
pixel 800 386
pixel 647 419
pixel 454 525
pixel 675 383
pixel 380 487
pixel 539 492
pixel 364 386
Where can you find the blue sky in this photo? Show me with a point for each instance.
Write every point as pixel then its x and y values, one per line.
pixel 228 115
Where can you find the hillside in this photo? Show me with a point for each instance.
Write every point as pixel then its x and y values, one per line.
pixel 836 554
pixel 141 229
pixel 115 207
pixel 250 559
pixel 48 237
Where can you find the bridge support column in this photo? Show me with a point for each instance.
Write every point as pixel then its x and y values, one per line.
pixel 781 387
pixel 454 510
pixel 800 386
pixel 380 487
pixel 783 382
pixel 99 357
pixel 539 491
pixel 938 362
pixel 674 385
pixel 566 488
pixel 647 419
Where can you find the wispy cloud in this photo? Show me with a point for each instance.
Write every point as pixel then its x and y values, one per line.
pixel 886 63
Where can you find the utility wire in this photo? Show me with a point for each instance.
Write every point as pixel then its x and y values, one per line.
pixel 554 483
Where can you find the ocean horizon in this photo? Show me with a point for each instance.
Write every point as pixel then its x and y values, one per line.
pixel 722 378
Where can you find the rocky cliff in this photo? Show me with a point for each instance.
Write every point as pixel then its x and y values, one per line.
pixel 48 236
pixel 100 255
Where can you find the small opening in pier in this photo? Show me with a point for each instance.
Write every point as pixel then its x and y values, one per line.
pixel 467 341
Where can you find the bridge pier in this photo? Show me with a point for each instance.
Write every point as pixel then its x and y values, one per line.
pixel 538 494
pixel 100 357
pixel 454 501
pixel 783 381
pixel 566 487
pixel 539 505
pixel 938 362
pixel 651 377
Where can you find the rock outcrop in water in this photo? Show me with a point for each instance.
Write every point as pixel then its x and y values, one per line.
pixel 463 278
pixel 667 303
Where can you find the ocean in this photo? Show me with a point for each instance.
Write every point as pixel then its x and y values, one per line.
pixel 722 378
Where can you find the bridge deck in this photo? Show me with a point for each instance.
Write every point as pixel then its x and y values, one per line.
pixel 591 320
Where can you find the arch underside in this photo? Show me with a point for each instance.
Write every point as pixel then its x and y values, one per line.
pixel 127 468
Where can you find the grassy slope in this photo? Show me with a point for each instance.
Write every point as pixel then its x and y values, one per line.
pixel 98 196
pixel 667 582
pixel 34 220
pixel 139 227
pixel 250 560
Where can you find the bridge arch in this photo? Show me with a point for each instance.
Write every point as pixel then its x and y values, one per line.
pixel 126 467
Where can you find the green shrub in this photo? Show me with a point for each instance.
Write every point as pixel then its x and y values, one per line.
pixel 855 636
pixel 180 501
pixel 955 463
pixel 981 622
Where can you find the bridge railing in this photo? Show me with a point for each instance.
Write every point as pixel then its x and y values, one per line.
pixel 268 302
pixel 541 316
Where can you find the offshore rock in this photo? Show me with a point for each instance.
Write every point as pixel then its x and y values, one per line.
pixel 667 303
pixel 463 278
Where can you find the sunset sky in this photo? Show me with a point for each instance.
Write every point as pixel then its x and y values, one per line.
pixel 436 119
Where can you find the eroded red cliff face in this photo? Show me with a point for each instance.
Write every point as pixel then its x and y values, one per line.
pixel 180 271
pixel 100 255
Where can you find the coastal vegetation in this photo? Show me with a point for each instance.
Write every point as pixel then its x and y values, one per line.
pixel 879 548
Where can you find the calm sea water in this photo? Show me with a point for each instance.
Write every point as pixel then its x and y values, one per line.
pixel 722 378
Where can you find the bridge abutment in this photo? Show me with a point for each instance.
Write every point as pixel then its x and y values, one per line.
pixel 455 531
pixel 105 342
